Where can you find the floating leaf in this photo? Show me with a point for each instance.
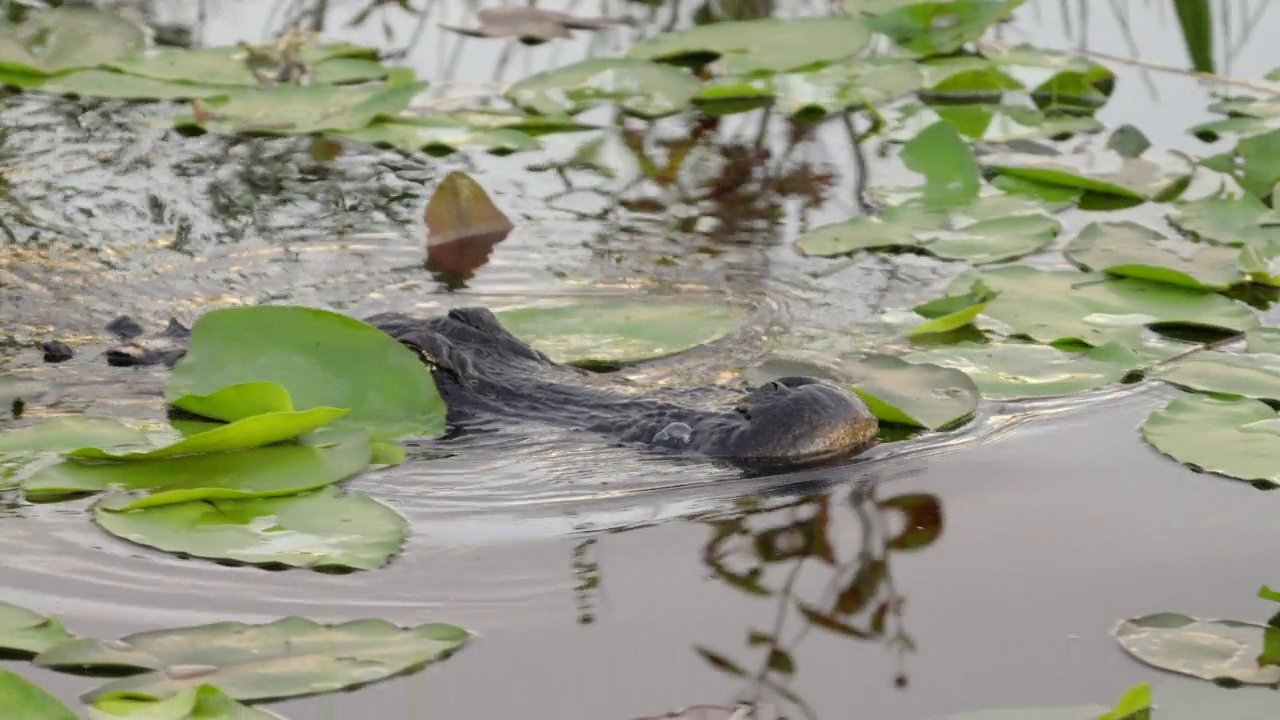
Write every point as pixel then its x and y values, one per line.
pixel 1239 438
pixel 205 702
pixel 926 396
pixel 941 28
pixel 964 79
pixel 61 39
pixel 231 66
pixel 321 529
pixel 947 163
pixel 440 135
pixel 1128 141
pixel 1128 249
pixel 460 210
pixel 951 313
pixel 322 358
pixel 24 631
pixel 746 46
pixel 286 658
pixel 250 432
pixel 237 402
pixel 639 87
pixel 1262 340
pixel 1007 371
pixel 614 333
pixel 1255 376
pixel 299 109
pixel 110 84
pixel 68 433
pixel 1061 305
pixel 20 698
pixel 1245 220
pixel 261 472
pixel 1135 179
pixel 813 94
pixel 1217 650
pixel 1257 163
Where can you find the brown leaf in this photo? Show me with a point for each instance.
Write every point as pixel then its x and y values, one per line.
pixel 463 226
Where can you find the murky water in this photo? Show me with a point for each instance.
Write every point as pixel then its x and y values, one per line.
pixel 593 574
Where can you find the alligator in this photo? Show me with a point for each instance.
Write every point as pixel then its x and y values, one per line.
pixel 482 371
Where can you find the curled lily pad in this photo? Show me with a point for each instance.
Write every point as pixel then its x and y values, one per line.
pixel 1129 249
pixel 1009 371
pixel 286 658
pixel 300 109
pixel 770 44
pixel 1217 650
pixel 321 530
pixel 640 87
pixel 1239 438
pixel 1245 220
pixel 20 698
pixel 25 631
pixel 260 472
pixel 612 333
pixel 1253 376
pixel 1105 173
pixel 202 703
pixel 916 395
pixel 239 401
pixel 62 39
pixel 69 433
pixel 951 313
pixel 250 432
pixel 940 28
pixel 1052 306
pixel 322 358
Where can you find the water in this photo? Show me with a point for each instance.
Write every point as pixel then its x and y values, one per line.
pixel 589 571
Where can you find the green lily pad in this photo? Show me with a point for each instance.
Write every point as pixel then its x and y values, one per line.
pixel 1257 163
pixel 229 66
pixel 286 658
pixel 639 87
pixel 24 631
pixel 813 94
pixel 614 333
pixel 69 433
pixel 270 471
pixel 1251 376
pixel 1128 249
pixel 1262 340
pixel 1009 371
pixel 1239 438
pixel 111 84
pixel 952 176
pixel 251 432
pixel 916 395
pixel 322 358
pixel 440 135
pixel 941 28
pixel 951 313
pixel 1129 141
pixel 1216 650
pixel 965 79
pixel 1107 173
pixel 320 530
pixel 20 698
pixel 1245 220
pixel 62 39
pixel 1052 306
pixel 300 109
pixel 239 401
pixel 746 46
pixel 202 703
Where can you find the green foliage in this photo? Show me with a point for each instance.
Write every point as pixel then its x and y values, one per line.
pixel 24 631
pixel 20 698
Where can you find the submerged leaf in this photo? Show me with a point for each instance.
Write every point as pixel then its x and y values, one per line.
pixel 1239 438
pixel 620 332
pixel 286 658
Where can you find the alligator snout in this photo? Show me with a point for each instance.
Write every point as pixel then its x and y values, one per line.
pixel 802 419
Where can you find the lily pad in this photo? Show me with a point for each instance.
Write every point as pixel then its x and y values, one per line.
pixel 270 471
pixel 952 176
pixel 202 703
pixel 440 135
pixel 747 46
pixel 916 395
pixel 951 313
pixel 1128 249
pixel 111 84
pixel 1262 340
pixel 965 79
pixel 69 433
pixel 811 95
pixel 1216 650
pixel 320 530
pixel 1252 376
pixel 62 39
pixel 300 109
pixel 1245 220
pixel 639 87
pixel 1009 371
pixel 941 28
pixel 614 333
pixel 1052 306
pixel 322 358
pixel 286 658
pixel 24 631
pixel 251 432
pixel 230 66
pixel 20 698
pixel 1105 173
pixel 237 402
pixel 1257 163
pixel 1239 438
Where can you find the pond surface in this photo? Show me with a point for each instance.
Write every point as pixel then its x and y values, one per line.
pixel 593 575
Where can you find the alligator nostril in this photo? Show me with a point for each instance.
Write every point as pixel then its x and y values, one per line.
pixel 777 386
